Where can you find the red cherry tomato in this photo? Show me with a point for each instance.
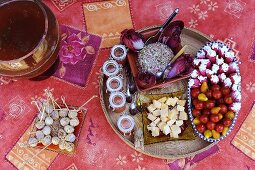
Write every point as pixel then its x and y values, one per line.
pixel 194 102
pixel 210 125
pixel 220 101
pixel 219 127
pixel 215 87
pixel 199 105
pixel 225 91
pixel 227 122
pixel 203 119
pixel 195 92
pixel 210 104
pixel 214 118
pixel 216 94
pixel 223 108
pixel 196 112
pixel 206 112
pixel 228 99
pixel 208 94
pixel 201 128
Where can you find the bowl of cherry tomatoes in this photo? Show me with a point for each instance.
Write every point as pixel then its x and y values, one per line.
pixel 214 100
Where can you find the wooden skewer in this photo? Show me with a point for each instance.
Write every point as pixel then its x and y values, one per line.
pixel 35 102
pixel 64 102
pixel 94 96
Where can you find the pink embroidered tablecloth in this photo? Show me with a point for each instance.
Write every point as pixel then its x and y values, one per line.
pixel 98 24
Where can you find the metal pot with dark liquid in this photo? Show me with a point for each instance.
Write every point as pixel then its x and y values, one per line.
pixel 29 38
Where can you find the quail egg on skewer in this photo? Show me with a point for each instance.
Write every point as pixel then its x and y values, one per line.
pixel 61 134
pixel 74 122
pixel 46 130
pixel 41 116
pixel 49 108
pixel 48 121
pixel 39 135
pixel 54 115
pixel 55 140
pixel 63 112
pixel 62 144
pixel 72 114
pixel 32 142
pixel 70 137
pixel 64 121
pixel 46 140
pixel 69 146
pixel 39 124
pixel 69 129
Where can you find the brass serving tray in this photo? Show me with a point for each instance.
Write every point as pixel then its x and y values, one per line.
pixel 169 149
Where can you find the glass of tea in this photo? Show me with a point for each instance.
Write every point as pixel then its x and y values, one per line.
pixel 29 38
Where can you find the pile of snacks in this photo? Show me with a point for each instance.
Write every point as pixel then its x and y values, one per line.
pixel 167 115
pixel 215 90
pixel 55 125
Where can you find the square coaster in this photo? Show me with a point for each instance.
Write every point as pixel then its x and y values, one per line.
pixel 107 19
pixel 78 51
pixel 245 137
pixel 63 4
pixel 24 158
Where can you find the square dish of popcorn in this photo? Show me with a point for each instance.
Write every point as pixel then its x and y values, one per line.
pixel 165 118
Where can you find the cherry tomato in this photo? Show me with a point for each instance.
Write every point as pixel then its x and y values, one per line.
pixel 210 125
pixel 210 104
pixel 220 116
pixel 215 87
pixel 227 122
pixel 204 87
pixel 199 105
pixel 194 102
pixel 206 112
pixel 195 92
pixel 223 108
pixel 220 101
pixel 216 94
pixel 201 128
pixel 230 115
pixel 203 119
pixel 225 91
pixel 196 112
pixel 219 127
pixel 214 118
pixel 208 94
pixel 228 99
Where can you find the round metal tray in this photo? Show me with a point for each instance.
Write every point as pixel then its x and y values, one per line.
pixel 170 149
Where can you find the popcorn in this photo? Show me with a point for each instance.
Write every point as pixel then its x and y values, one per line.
pixel 209 73
pixel 193 83
pixel 222 77
pixel 215 68
pixel 219 60
pixel 214 79
pixel 194 74
pixel 227 82
pixel 235 106
pixel 200 54
pixel 233 67
pixel 202 79
pixel 235 78
pixel 229 56
pixel 223 68
pixel 236 95
pixel 211 55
